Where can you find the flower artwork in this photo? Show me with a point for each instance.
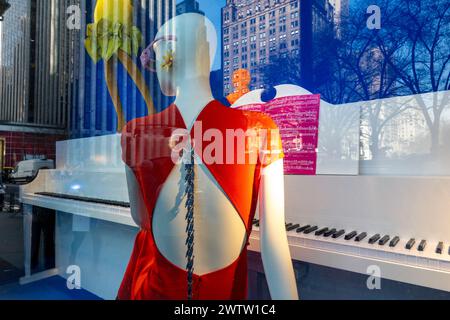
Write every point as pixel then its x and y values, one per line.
pixel 111 38
pixel 168 60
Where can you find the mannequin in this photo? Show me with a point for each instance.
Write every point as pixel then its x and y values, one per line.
pixel 184 48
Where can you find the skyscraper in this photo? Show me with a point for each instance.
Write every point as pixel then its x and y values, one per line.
pixel 36 64
pixel 256 32
pixel 36 76
pixel 188 6
pixel 341 9
pixel 14 80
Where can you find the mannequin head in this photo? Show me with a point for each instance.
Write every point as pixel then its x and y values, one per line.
pixel 184 49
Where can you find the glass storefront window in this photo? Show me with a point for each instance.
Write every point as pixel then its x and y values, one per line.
pixel 92 91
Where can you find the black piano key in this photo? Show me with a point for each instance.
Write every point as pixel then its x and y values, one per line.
pixel 361 236
pixel 288 225
pixel 350 235
pixel 311 230
pixel 85 199
pixel 410 243
pixel 422 245
pixel 321 231
pixel 338 234
pixel 440 247
pixel 301 229
pixel 374 239
pixel 255 221
pixel 384 240
pixel 329 233
pixel 293 227
pixel 394 242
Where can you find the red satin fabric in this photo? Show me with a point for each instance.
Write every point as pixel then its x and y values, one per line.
pixel 146 150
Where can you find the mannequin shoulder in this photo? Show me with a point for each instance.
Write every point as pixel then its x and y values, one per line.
pixel 166 118
pixel 255 119
pixel 260 120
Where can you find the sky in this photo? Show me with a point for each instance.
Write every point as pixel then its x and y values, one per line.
pixel 212 10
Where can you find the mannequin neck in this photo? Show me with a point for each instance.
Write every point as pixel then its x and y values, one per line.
pixel 193 94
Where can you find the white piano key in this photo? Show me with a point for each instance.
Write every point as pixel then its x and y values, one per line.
pixel 353 249
pixel 433 263
pixel 444 266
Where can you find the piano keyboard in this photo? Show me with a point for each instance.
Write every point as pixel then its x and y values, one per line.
pixel 376 240
pixel 421 262
pixel 84 199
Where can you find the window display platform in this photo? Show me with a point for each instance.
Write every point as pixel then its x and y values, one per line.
pixel 53 288
pixel 317 282
pixel 8 272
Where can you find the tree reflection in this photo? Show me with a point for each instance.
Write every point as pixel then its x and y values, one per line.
pixel 408 56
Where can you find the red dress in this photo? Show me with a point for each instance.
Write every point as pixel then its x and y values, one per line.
pixel 146 150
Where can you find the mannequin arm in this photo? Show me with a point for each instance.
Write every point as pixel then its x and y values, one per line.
pixel 274 245
pixel 137 205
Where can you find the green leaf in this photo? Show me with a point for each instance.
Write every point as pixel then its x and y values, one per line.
pixel 103 43
pixel 117 29
pixel 135 46
pixel 136 35
pixel 106 38
pixel 126 30
pixel 113 46
pixel 91 30
pixel 126 45
pixel 104 27
pixel 136 40
pixel 92 49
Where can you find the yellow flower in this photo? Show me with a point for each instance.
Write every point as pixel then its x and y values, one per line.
pixel 115 11
pixel 168 60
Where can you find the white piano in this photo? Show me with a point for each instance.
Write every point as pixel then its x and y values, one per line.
pixel 94 228
pixel 87 168
pixel 96 232
pixel 405 207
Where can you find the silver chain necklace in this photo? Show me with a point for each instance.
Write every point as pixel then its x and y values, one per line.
pixel 189 193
